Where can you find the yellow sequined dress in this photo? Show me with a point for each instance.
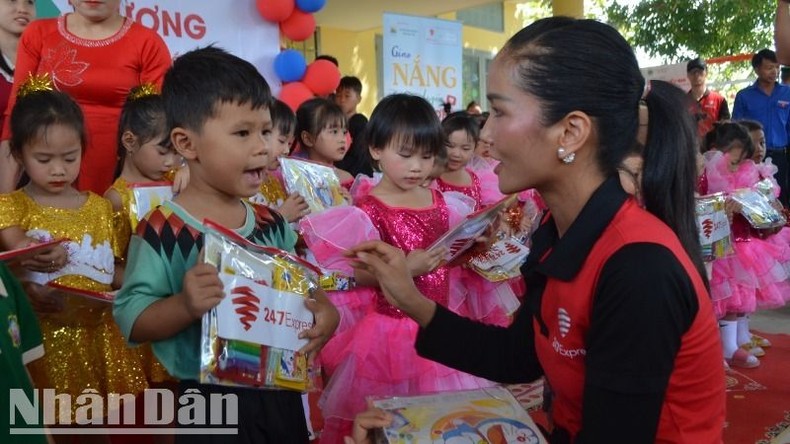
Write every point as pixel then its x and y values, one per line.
pixel 126 223
pixel 84 348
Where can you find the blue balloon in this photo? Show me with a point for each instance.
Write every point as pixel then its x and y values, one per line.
pixel 310 5
pixel 290 66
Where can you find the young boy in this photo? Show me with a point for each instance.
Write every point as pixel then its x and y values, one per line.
pixel 20 344
pixel 217 109
pixel 347 97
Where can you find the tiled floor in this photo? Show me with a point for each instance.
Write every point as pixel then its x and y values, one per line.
pixel 772 321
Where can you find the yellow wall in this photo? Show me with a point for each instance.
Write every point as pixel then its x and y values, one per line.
pixel 356 53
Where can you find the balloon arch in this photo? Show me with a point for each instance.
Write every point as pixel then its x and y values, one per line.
pixel 300 80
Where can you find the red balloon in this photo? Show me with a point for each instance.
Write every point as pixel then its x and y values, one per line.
pixel 275 10
pixel 322 77
pixel 299 26
pixel 294 94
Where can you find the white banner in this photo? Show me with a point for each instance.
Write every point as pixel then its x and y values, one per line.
pixel 254 313
pixel 422 56
pixel 674 74
pixel 188 24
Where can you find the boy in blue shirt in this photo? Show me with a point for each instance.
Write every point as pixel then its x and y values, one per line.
pixel 217 108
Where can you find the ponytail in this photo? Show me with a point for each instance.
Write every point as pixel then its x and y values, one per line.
pixel 669 170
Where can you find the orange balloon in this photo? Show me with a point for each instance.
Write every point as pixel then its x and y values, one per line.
pixel 322 77
pixel 275 11
pixel 299 26
pixel 294 94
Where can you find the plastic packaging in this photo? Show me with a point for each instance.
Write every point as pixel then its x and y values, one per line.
pixel 147 196
pixel 490 415
pixel 713 227
pixel 459 239
pixel 251 337
pixel 757 209
pixel 317 184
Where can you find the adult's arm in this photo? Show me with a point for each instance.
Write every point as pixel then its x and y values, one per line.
pixel 496 353
pixel 156 60
pixel 782 32
pixel 500 354
pixel 644 304
pixel 27 60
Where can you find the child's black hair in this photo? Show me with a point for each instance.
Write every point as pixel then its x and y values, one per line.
pixel 316 114
pixel 751 125
pixel 144 116
pixel 461 121
pixel 352 83
pixel 202 79
pixel 36 111
pixel 725 133
pixel 283 118
pixel 408 120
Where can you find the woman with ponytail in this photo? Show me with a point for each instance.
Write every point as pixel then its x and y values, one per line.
pixel 617 315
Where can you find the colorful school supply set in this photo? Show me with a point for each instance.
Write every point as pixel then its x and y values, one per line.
pixel 482 416
pixel 713 226
pixel 317 184
pixel 501 261
pixel 757 209
pixel 252 337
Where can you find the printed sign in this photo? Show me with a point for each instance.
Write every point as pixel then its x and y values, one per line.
pixel 422 56
pixel 261 315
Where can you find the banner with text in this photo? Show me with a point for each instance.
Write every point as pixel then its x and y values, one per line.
pixel 422 56
pixel 187 24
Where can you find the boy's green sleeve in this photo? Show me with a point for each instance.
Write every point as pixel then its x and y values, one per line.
pixel 31 346
pixel 145 281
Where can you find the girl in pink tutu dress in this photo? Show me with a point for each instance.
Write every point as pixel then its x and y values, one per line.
pixel 375 356
pixel 755 276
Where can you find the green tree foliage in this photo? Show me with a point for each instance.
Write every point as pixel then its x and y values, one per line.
pixel 678 30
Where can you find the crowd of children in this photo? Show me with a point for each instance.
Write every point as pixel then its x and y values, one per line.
pixel 217 131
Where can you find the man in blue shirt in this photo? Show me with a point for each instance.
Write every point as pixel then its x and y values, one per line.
pixel 768 102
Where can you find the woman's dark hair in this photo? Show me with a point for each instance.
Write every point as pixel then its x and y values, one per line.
pixel 36 111
pixel 547 56
pixel 724 134
pixel 461 121
pixel 144 116
pixel 283 118
pixel 316 114
pixel 408 120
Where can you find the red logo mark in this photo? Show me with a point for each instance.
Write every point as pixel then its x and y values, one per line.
pixel 246 305
pixel 512 249
pixel 707 227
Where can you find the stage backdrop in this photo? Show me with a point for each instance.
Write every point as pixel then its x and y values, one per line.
pixel 188 24
pixel 422 56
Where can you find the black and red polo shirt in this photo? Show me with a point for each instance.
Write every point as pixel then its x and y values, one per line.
pixel 619 321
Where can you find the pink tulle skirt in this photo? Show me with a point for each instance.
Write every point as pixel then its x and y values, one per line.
pixel 376 358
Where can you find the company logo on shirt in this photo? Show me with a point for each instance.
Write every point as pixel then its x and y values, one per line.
pixel 564 321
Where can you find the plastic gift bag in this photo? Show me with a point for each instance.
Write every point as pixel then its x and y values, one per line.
pixel 713 227
pixel 489 415
pixel 501 261
pixel 251 337
pixel 757 209
pixel 317 184
pixel 460 238
pixel 146 197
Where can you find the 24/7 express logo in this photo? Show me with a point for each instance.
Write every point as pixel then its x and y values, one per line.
pixel 247 305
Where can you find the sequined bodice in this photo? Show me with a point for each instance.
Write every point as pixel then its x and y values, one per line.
pixel 411 229
pixel 473 190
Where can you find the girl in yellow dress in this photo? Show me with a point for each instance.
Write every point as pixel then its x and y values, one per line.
pixel 84 348
pixel 146 161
